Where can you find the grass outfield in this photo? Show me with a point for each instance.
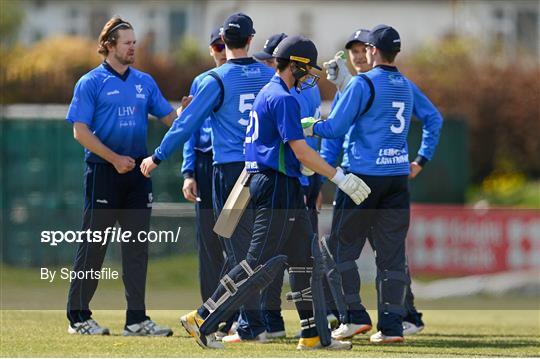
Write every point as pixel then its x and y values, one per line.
pixel 513 333
pixel 483 329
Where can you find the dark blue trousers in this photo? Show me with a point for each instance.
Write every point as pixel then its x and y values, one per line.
pixel 250 321
pixel 384 218
pixel 209 247
pixel 110 197
pixel 280 226
pixel 312 192
pixel 271 297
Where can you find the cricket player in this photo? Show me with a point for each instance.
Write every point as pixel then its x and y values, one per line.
pixel 275 151
pixel 109 112
pixel 197 171
pixel 375 110
pixel 338 73
pixel 226 94
pixel 309 100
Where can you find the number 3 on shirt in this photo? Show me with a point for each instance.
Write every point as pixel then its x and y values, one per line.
pixel 252 131
pixel 399 115
pixel 244 106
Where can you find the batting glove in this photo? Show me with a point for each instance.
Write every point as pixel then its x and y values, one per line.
pixel 337 71
pixel 307 125
pixel 306 171
pixel 352 185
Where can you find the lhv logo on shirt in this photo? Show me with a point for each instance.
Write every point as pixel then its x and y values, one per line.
pixel 124 111
pixel 139 94
pixel 126 116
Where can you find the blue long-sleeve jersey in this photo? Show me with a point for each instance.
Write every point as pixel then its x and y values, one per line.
pixel 226 94
pixel 376 114
pixel 331 148
pixel 309 100
pixel 201 139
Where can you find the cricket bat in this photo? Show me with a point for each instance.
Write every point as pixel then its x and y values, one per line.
pixel 234 206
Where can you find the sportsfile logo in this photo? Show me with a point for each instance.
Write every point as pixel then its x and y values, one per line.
pixel 139 94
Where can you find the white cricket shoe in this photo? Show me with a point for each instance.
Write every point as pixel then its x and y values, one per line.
pixel 192 322
pixel 315 344
pixel 380 338
pixel 411 328
pixel 146 328
pixel 235 338
pixel 88 327
pixel 349 330
pixel 276 335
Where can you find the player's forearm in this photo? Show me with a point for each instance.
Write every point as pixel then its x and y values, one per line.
pixel 311 159
pixel 191 118
pixel 88 140
pixel 178 134
pixel 169 119
pixel 188 162
pixel 430 135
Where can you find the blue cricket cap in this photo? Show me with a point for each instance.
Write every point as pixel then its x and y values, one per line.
pixel 216 35
pixel 269 47
pixel 385 37
pixel 360 35
pixel 238 26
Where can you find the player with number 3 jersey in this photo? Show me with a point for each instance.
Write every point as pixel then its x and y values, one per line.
pixel 376 110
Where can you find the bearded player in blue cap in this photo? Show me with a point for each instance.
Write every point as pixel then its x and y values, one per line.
pixel 226 94
pixel 375 110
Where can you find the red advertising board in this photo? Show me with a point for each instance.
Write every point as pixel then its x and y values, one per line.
pixel 455 240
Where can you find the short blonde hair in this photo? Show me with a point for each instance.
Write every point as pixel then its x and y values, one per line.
pixel 109 33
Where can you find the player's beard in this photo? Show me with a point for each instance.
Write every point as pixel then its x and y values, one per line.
pixel 125 60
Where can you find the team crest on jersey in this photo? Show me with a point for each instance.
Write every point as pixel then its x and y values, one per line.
pixel 139 94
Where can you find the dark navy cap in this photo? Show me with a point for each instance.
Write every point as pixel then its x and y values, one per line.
pixel 238 26
pixel 216 34
pixel 385 37
pixel 299 49
pixel 269 47
pixel 360 35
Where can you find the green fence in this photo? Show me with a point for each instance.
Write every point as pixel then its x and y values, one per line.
pixel 42 189
pixel 41 184
pixel 445 178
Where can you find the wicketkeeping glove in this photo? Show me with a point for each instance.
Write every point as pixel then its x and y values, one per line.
pixel 337 71
pixel 352 185
pixel 307 125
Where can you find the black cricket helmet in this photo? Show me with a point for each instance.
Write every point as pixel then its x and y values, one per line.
pixel 302 52
pixel 299 49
